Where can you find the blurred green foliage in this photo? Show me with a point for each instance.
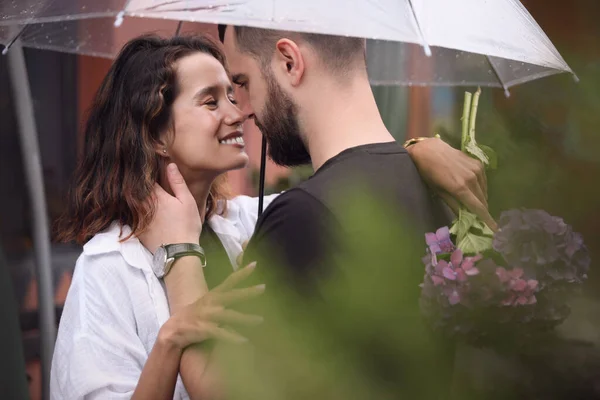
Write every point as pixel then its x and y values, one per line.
pixel 360 334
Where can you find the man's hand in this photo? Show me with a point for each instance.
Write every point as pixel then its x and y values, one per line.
pixel 176 218
pixel 456 177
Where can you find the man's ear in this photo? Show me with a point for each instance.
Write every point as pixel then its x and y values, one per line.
pixel 289 61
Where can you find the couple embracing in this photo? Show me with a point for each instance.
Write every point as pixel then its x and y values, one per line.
pixel 158 275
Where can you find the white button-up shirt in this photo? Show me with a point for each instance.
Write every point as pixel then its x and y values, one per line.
pixel 116 306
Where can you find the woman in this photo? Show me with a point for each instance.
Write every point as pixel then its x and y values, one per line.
pixel 126 332
pixel 163 101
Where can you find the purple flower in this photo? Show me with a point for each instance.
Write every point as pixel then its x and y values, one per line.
pixel 544 245
pixel 439 242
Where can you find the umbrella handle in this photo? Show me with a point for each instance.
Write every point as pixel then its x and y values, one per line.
pixel 261 179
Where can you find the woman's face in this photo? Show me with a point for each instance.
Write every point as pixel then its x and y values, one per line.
pixel 207 125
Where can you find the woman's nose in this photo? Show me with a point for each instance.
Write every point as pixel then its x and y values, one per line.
pixel 235 116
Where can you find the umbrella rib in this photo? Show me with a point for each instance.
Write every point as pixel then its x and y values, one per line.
pixel 121 14
pixel 156 7
pixel 424 42
pixel 13 40
pixel 178 28
pixel 506 92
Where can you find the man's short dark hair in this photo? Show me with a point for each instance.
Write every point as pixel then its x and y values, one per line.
pixel 340 54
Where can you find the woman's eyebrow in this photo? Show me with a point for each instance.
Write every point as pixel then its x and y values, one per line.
pixel 212 90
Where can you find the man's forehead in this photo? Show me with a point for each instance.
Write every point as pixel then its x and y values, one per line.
pixel 237 61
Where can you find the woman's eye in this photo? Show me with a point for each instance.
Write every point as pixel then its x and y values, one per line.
pixel 232 100
pixel 211 103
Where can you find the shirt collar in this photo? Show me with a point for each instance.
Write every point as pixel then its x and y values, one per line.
pixel 109 241
pixel 224 223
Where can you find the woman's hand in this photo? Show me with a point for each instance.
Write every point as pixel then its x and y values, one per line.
pixel 176 218
pixel 240 258
pixel 456 177
pixel 204 319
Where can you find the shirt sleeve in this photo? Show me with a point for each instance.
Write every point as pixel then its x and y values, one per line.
pixel 98 354
pixel 294 233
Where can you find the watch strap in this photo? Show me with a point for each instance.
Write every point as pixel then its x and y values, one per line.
pixel 178 250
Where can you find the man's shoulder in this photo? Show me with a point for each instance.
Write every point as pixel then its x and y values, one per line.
pixel 297 201
pixel 293 232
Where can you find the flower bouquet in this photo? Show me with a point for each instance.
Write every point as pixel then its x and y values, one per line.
pixel 486 287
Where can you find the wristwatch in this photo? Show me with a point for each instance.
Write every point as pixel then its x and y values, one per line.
pixel 165 256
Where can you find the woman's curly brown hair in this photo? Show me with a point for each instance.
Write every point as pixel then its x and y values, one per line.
pixel 119 166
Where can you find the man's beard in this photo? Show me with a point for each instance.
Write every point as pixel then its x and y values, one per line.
pixel 279 124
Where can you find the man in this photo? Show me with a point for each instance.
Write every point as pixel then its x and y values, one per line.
pixel 310 96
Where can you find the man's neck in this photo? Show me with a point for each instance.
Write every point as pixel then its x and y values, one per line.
pixel 341 119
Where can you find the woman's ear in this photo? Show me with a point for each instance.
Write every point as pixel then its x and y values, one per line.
pixel 161 145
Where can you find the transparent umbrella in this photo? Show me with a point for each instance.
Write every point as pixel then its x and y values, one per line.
pixel 413 42
pixel 492 43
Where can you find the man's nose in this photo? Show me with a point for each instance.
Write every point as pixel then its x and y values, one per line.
pixel 244 103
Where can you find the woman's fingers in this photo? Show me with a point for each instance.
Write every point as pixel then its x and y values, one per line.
pixel 482 178
pixel 235 278
pixel 236 295
pixel 240 258
pixel 231 317
pixel 213 331
pixel 475 206
pixel 178 184
pixel 451 202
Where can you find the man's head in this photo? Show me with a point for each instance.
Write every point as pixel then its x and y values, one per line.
pixel 280 70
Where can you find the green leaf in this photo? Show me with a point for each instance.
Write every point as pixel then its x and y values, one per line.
pixel 474 150
pixel 483 228
pixel 472 244
pixel 491 155
pixel 464 223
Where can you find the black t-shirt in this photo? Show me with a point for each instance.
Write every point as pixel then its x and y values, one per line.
pixel 299 226
pixel 297 235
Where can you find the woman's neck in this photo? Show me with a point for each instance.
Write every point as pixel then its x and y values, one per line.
pixel 200 191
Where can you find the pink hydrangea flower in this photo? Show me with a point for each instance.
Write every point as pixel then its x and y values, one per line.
pixel 520 291
pixel 452 275
pixel 439 242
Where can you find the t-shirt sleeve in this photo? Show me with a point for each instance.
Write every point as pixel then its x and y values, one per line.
pixel 294 233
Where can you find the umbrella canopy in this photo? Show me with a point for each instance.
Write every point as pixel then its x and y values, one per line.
pixel 413 42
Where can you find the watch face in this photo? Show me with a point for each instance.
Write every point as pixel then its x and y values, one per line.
pixel 158 261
